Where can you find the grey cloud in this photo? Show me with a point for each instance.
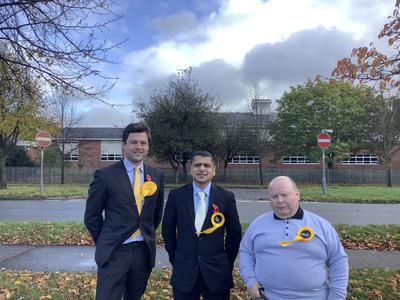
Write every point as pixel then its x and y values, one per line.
pixel 143 91
pixel 304 54
pixel 179 27
pixel 223 79
pixel 107 117
pixel 216 76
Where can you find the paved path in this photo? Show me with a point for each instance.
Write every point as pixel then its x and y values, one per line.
pixel 81 258
pixel 250 206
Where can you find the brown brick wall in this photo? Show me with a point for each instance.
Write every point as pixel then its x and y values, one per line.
pixel 90 153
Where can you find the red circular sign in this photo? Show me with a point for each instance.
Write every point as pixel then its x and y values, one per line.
pixel 43 139
pixel 324 140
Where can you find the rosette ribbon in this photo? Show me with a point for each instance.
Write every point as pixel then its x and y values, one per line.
pixel 147 189
pixel 217 220
pixel 304 234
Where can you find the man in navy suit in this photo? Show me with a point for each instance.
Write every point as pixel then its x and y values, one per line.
pixel 125 237
pixel 202 260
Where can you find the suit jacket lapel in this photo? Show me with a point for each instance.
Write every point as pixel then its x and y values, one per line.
pixel 148 176
pixel 190 201
pixel 125 183
pixel 213 199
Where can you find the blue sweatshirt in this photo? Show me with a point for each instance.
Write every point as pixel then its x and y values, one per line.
pixel 299 270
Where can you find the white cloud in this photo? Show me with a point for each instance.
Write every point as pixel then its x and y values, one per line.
pixel 277 42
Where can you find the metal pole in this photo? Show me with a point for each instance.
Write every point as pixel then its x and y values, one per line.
pixel 323 173
pixel 41 170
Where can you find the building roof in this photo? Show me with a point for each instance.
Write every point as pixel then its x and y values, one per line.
pixel 115 133
pixel 95 133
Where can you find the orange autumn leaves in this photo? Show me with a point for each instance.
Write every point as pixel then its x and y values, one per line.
pixel 366 284
pixel 370 65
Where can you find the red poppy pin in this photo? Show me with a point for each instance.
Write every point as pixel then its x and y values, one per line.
pixel 216 210
pixel 148 177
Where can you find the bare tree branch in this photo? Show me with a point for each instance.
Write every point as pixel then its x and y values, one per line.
pixel 56 41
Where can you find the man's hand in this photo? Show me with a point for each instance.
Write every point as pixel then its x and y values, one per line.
pixel 254 290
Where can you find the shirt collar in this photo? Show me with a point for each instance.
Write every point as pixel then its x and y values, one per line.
pixel 129 166
pixel 206 190
pixel 298 215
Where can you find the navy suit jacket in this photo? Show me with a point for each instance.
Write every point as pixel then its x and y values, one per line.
pixel 210 253
pixel 111 191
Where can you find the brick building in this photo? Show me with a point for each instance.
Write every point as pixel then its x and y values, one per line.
pixel 97 147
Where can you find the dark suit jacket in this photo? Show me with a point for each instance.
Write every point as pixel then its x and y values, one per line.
pixel 111 191
pixel 189 252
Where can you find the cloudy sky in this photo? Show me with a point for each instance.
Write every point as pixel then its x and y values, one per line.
pixel 231 44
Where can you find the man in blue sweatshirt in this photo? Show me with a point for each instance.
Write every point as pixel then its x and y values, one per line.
pixel 286 253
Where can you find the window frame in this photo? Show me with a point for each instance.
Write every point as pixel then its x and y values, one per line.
pixel 361 159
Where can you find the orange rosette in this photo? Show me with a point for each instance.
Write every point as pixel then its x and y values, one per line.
pixel 304 234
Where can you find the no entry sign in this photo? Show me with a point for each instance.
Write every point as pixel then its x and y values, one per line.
pixel 324 140
pixel 43 139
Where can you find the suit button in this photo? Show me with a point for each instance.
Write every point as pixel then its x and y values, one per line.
pixel 199 256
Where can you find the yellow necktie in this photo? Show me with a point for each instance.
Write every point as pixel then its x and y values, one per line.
pixel 136 193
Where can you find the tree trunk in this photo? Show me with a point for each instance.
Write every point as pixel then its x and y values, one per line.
pixel 3 183
pixel 63 159
pixel 388 172
pixel 175 167
pixel 185 175
pixel 62 171
pixel 176 177
pixel 226 170
pixel 260 168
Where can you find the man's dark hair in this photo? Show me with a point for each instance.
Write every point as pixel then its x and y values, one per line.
pixel 203 153
pixel 136 127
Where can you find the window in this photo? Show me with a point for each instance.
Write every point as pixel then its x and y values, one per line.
pixel 245 159
pixel 70 150
pixel 297 160
pixel 111 150
pixel 361 159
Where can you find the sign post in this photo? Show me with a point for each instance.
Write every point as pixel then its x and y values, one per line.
pixel 323 141
pixel 43 139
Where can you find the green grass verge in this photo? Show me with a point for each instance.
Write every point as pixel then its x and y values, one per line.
pixel 363 284
pixel 365 194
pixel 377 237
pixel 377 194
pixel 24 191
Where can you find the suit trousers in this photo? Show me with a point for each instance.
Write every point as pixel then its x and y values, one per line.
pixel 201 288
pixel 125 273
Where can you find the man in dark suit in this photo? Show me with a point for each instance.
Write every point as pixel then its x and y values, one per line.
pixel 131 195
pixel 202 262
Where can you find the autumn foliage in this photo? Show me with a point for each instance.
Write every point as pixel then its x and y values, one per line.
pixel 369 65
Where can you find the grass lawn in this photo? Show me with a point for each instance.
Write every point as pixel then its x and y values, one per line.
pixel 377 194
pixel 363 284
pixel 24 191
pixel 367 194
pixel 377 237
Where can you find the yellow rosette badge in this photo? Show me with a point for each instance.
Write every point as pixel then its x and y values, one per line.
pixel 147 189
pixel 217 220
pixel 304 234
